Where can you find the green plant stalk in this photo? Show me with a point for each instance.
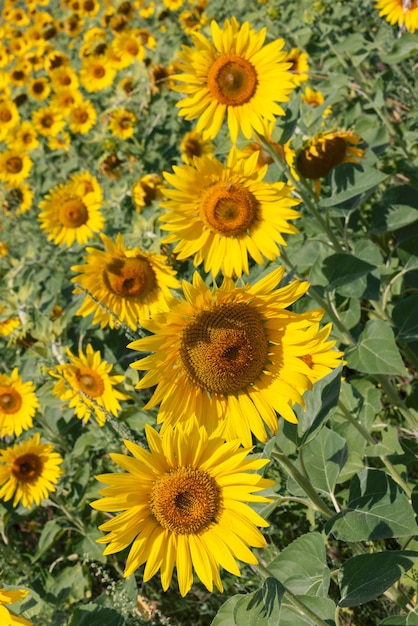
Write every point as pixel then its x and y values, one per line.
pixel 298 604
pixel 302 481
pixel 392 394
pixel 367 436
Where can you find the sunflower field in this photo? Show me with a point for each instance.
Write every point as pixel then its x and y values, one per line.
pixel 208 312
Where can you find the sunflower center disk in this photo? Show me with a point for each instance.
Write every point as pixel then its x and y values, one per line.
pixel 224 350
pixel 232 80
pixel 229 210
pixel 186 501
pixel 318 162
pixel 14 165
pixel 10 401
pixel 90 382
pixel 130 277
pixel 27 468
pixel 73 213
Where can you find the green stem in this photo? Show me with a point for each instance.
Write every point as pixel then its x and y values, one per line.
pixel 298 604
pixel 392 394
pixel 310 205
pixel 302 481
pixel 367 436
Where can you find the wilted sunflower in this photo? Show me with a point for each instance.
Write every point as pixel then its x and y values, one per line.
pixel 131 284
pixel 15 166
pixel 88 386
pixel 401 12
pixel 183 503
pixel 69 213
pixel 235 76
pixel 325 151
pixel 221 215
pixel 231 356
pixel 10 596
pixel 29 471
pixel 18 404
pixel 194 145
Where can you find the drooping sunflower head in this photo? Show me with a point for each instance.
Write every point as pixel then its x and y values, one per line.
pixel 233 76
pixel 123 285
pixel 222 215
pixel 146 190
pixel 29 471
pixel 327 150
pixel 184 495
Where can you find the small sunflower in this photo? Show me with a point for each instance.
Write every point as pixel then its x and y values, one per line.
pixel 8 324
pixel 231 356
pixel 96 73
pixel 146 190
pixel 70 214
pixel 325 151
pixel 18 404
pixel 48 121
pixel 88 386
pixel 221 215
pixel 15 166
pixel 128 47
pixel 299 65
pixel 10 596
pixel 257 146
pixel 237 76
pixel 184 503
pixel 29 472
pixel 82 117
pixel 194 145
pixel 9 117
pixel 400 12
pixel 23 138
pixel 18 198
pixel 64 78
pixel 122 123
pixel 315 99
pixel 39 88
pixel 130 284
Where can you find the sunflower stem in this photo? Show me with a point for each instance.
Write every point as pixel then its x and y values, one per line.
pixel 298 604
pixel 302 481
pixel 393 395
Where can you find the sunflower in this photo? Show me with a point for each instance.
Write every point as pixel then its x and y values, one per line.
pixel 193 144
pixel 317 352
pixel 9 597
pixel 122 123
pixel 9 117
pixel 315 99
pixel 39 88
pixel 325 151
pixel 96 73
pixel 48 121
pixel 146 190
pixel 128 48
pixel 15 166
pixel 18 404
pixel 231 355
pixel 184 503
pixel 236 75
pixel 88 386
pixel 69 214
pixel 88 8
pixel 82 117
pixel 220 215
pixel 257 146
pixel 64 78
pixel 18 198
pixel 29 471
pixel 299 65
pixel 125 285
pixel 23 138
pixel 8 323
pixel 400 12
pixel 20 74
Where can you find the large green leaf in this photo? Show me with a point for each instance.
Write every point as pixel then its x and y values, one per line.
pixel 341 269
pixel 94 615
pixel 323 458
pixel 366 576
pixel 376 352
pixel 51 532
pixel 349 181
pixel 376 509
pixel 405 318
pixel 322 607
pixel 302 566
pixel 260 608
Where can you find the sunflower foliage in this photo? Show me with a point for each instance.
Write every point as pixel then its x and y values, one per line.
pixel 208 295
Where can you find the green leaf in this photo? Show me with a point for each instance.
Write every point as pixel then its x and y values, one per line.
pixel 403 48
pixel 376 352
pixel 366 576
pixel 302 566
pixel 376 509
pixel 94 615
pixel 349 181
pixel 405 318
pixel 324 457
pixel 51 532
pixel 260 608
pixel 291 616
pixel 341 269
